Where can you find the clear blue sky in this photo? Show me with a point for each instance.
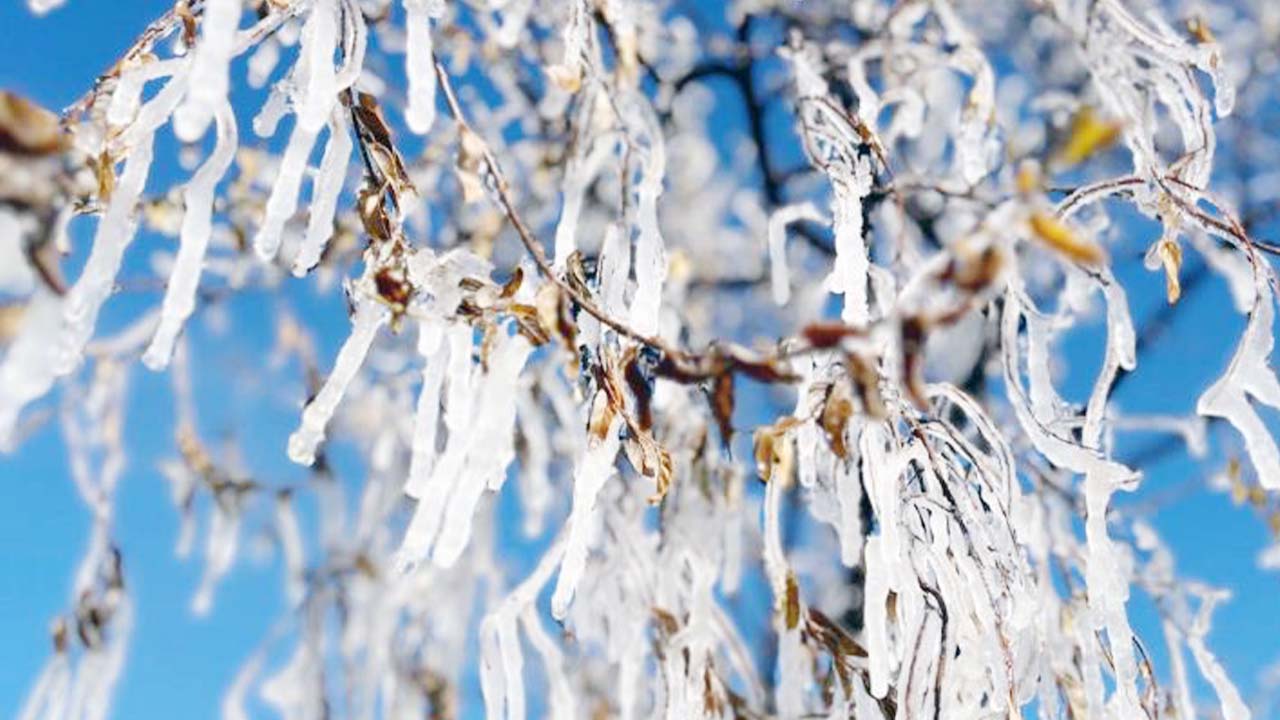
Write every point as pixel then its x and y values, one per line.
pixel 179 661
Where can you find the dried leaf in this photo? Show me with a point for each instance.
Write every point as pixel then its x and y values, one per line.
pixel 602 412
pixel 827 334
pixel 722 405
pixel 773 450
pixel 867 382
pixel 566 78
pixel 105 169
pixel 836 411
pixel 471 153
pixel 1199 29
pixel 28 129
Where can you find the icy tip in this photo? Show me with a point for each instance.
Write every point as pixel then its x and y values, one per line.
pixel 301 449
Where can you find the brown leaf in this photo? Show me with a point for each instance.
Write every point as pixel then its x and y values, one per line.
pixel 722 405
pixel 372 207
pixel 554 315
pixel 836 411
pixel 512 285
pixel 602 412
pixel 28 129
pixel 867 381
pixel 913 339
pixel 640 388
pixel 773 450
pixel 827 334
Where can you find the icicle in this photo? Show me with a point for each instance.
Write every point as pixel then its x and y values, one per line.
pixel 219 553
pixel 1233 707
pixel 434 492
pixel 208 85
pixel 651 256
pixel 319 87
pixel 512 667
pixel 875 618
pixel 48 697
pixel 1108 590
pixel 427 418
pixel 419 64
pixel 536 492
pixel 283 201
pixel 27 371
pixel 369 317
pixel 197 227
pixel 268 117
pixel 233 700
pixel 40 7
pixel 326 189
pixel 262 63
pixel 780 282
pixel 490 449
pixel 290 537
pixel 593 470
pixel 115 231
pixel 849 492
pixel 615 266
pixel 561 697
pixel 1250 375
pixel 852 265
pixel 320 83
pixel 578 176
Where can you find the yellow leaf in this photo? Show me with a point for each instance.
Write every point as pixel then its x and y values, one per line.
pixel 1089 134
pixel 1199 29
pixel 1061 237
pixel 1028 179
pixel 792 609
pixel 1171 257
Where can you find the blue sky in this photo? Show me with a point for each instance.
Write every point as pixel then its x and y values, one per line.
pixel 180 661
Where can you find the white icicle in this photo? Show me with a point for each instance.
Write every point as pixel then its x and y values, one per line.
pixel 490 450
pixel 852 265
pixel 615 266
pixel 650 252
pixel 426 420
pixel 1250 375
pixel 779 276
pixel 115 231
pixel 434 491
pixel 291 550
pixel 27 372
pixel 197 227
pixel 219 552
pixel 419 64
pixel 875 616
pixel 326 189
pixel 320 82
pixel 319 86
pixel 283 201
pixel 208 86
pixel 593 470
pixel 1233 707
pixel 369 317
pixel 578 176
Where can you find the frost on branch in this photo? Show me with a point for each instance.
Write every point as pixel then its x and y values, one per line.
pixel 751 360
